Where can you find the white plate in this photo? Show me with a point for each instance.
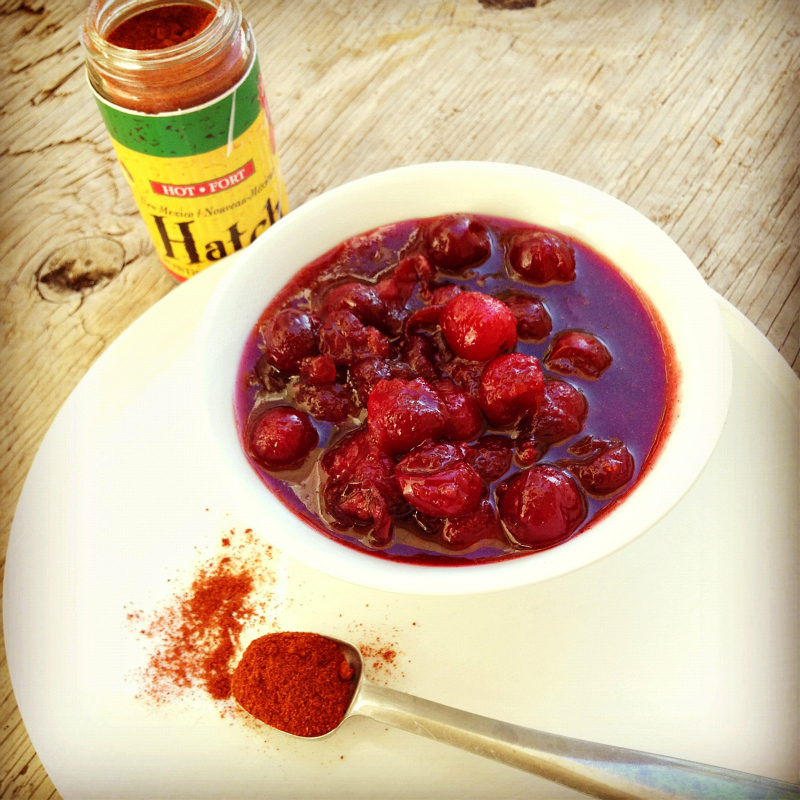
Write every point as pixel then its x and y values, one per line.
pixel 683 643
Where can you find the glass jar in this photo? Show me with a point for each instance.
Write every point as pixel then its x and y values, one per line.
pixel 191 129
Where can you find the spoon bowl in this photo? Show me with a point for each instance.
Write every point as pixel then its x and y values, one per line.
pixel 598 770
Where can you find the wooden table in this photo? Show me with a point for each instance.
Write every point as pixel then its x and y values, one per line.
pixel 689 112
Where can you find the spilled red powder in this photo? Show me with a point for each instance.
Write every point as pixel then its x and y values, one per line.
pixel 195 638
pixel 196 635
pixel 203 634
pixel 380 656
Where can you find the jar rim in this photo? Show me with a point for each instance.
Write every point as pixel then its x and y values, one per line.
pixel 103 16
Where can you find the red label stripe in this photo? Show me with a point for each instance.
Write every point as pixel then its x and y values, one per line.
pixel 209 187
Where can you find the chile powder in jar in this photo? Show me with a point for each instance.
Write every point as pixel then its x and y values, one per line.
pixel 299 683
pixel 179 87
pixel 161 27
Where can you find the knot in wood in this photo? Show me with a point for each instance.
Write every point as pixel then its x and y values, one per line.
pixel 79 268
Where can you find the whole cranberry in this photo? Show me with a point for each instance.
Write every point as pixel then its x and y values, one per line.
pixel 561 415
pixel 478 326
pixel 318 370
pixel 367 373
pixel 331 403
pixel 411 275
pixel 442 294
pixel 267 376
pixel 364 255
pixel 490 456
pixel 459 533
pixel 423 319
pixel 533 320
pixel 419 352
pixel 343 456
pixel 359 298
pixel 529 448
pixel 361 488
pixel 404 414
pixel 362 500
pixel 437 481
pixel 464 418
pixel 511 388
pixel 608 465
pixel 456 242
pixel 282 438
pixel 540 507
pixel 465 374
pixel 346 339
pixel 574 352
pixel 289 337
pixel 541 258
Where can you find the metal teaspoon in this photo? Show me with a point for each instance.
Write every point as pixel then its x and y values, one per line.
pixel 598 770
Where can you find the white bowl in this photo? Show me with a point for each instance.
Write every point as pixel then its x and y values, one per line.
pixel 634 244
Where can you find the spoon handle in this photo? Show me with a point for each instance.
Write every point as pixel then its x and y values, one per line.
pixel 598 770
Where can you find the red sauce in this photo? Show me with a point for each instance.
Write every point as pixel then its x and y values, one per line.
pixel 456 390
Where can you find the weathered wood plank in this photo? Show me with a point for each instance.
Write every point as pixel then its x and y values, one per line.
pixel 689 112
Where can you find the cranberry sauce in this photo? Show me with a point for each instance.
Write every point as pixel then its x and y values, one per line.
pixel 455 390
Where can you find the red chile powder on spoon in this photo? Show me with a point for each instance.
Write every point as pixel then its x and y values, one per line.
pixel 300 683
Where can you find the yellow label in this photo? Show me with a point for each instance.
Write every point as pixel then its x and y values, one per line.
pixel 200 208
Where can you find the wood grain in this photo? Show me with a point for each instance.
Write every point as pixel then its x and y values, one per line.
pixel 688 111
